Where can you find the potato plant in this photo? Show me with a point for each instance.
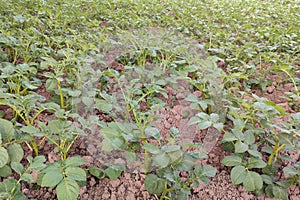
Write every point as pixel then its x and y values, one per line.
pixel 62 62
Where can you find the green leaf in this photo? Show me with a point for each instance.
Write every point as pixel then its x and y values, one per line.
pixel 97 172
pixel 27 177
pixel 152 148
pixel 279 108
pixel 280 193
pixel 214 117
pixel 290 171
pixel 4 195
pixel 255 153
pixel 228 137
pixel 37 163
pixel 204 125
pixel 3 157
pixel 154 184
pixel 231 161
pixel 209 170
pixel 5 171
pixel 218 126
pixel 74 93
pixel 76 173
pixel 8 185
pixel 193 120
pixel 253 181
pixel 106 145
pixel 239 124
pixel 256 163
pixel 114 170
pixel 67 189
pixel 104 106
pixel 249 137
pixel 238 174
pixel 88 101
pixel 30 129
pixel 15 152
pixel 238 134
pixel 52 178
pixel 175 155
pixel 269 191
pixel 153 132
pixel 240 147
pixel 187 163
pixel 161 160
pixel 130 156
pixel 267 179
pixel 170 148
pixel 74 161
pixel 7 130
pixel 17 167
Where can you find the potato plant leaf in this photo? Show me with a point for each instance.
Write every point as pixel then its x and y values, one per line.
pixel 240 147
pixel 4 158
pixel 17 167
pixel 7 130
pixel 5 171
pixel 97 172
pixel 15 152
pixel 161 160
pixel 154 184
pixel 231 161
pixel 74 161
pixel 76 173
pixel 253 181
pixel 67 189
pixel 52 178
pixel 238 174
pixel 280 193
pixel 27 177
pixel 209 170
pixel 256 163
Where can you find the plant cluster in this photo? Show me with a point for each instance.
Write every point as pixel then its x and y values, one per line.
pixel 53 77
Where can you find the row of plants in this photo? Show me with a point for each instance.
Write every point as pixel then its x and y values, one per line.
pixel 60 46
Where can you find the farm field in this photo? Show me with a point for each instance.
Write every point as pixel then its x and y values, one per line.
pixel 149 99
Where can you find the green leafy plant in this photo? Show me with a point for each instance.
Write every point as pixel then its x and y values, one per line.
pixel 65 176
pixel 251 143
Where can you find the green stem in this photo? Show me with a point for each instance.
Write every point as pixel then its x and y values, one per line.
pixel 68 148
pixel 144 140
pixel 60 95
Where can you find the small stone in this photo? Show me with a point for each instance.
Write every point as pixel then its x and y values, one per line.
pixel 130 195
pixel 52 157
pixel 106 195
pixel 115 183
pixel 270 89
pixel 180 96
pixel 47 196
pixel 113 196
pixel 92 181
pixel 82 190
pixel 198 93
pixel 167 125
pixel 127 176
pixel 85 196
pixel 25 191
pixel 91 149
pixel 88 159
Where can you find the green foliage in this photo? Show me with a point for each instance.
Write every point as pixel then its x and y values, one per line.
pixel 251 145
pixel 53 62
pixel 65 176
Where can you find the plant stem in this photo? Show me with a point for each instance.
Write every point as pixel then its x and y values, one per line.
pixel 60 95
